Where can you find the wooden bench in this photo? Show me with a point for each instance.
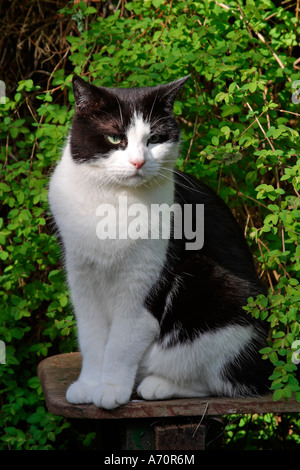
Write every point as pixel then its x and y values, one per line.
pixel 140 422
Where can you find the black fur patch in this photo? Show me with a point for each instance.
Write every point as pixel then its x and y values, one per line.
pixel 205 290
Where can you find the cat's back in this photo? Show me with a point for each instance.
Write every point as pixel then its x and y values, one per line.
pixel 224 241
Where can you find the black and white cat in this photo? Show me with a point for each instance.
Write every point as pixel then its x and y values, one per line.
pixel 151 313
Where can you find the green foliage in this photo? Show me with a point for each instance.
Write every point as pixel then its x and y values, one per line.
pixel 33 295
pixel 240 135
pixel 264 432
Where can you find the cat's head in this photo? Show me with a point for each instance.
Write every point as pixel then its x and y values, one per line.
pixel 127 135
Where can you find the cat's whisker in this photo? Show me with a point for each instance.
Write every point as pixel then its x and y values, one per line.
pixel 99 117
pixel 189 187
pixel 194 188
pixel 154 101
pixel 120 109
pixel 157 120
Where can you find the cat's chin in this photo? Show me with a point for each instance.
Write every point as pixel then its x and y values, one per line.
pixel 133 180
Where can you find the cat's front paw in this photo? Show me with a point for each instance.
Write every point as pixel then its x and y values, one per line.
pixel 155 388
pixel 111 396
pixel 80 392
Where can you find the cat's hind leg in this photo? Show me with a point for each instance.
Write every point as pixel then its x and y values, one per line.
pixel 154 387
pixel 193 368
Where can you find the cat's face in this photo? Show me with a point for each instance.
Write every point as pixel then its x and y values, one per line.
pixel 127 135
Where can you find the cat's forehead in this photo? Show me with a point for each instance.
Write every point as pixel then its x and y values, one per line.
pixel 125 108
pixel 136 100
pixel 139 128
pixel 141 100
pixel 127 121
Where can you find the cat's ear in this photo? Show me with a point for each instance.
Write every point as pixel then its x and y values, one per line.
pixel 86 96
pixel 169 92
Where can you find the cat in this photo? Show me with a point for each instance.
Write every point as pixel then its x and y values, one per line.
pixel 151 314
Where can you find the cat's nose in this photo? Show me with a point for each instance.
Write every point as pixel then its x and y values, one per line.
pixel 137 162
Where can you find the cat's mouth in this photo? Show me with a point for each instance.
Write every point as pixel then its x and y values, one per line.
pixel 134 178
pixel 137 173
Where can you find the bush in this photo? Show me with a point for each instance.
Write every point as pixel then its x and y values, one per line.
pixel 239 115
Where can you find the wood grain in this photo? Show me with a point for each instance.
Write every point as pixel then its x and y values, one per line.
pixel 56 373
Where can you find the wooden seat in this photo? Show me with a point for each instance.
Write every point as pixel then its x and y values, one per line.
pixel 56 373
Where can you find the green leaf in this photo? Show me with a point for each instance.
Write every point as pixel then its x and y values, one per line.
pixel 20 197
pixel 232 87
pixel 90 11
pixel 4 187
pixel 252 87
pixel 278 394
pixel 287 392
pixel 266 350
pixel 279 334
pixel 157 3
pixel 220 96
pixel 63 301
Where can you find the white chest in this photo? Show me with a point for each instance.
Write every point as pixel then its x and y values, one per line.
pixel 106 225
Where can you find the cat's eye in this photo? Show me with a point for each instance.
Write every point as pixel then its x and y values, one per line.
pixel 155 139
pixel 114 139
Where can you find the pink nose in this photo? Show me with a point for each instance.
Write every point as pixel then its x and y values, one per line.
pixel 137 163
